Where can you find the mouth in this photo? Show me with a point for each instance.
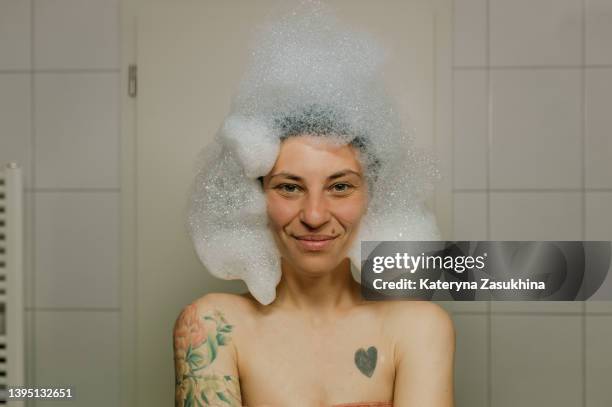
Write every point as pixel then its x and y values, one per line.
pixel 315 242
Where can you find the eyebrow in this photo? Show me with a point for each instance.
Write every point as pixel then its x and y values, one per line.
pixel 335 175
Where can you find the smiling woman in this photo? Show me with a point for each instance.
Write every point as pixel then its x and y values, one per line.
pixel 310 161
pixel 316 196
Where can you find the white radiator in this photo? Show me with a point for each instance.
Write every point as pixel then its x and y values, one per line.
pixel 12 335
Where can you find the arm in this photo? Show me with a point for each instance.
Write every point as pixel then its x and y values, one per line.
pixel 204 358
pixel 424 358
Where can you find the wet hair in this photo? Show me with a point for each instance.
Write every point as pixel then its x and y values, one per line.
pixel 320 121
pixel 312 119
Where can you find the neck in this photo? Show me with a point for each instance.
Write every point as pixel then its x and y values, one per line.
pixel 317 294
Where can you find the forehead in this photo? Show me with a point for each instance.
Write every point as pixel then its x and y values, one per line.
pixel 315 154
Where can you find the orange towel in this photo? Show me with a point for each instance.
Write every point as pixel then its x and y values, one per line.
pixel 366 404
pixel 358 404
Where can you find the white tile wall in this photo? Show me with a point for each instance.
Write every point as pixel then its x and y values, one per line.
pixel 599 227
pixel 598 219
pixel 16 122
pixel 548 108
pixel 15 31
pixel 536 361
pixel 535 32
pixel 598 158
pixel 59 101
pixel 470 105
pixel 598 368
pixel 470 33
pixel 537 307
pixel 536 128
pixel 597 305
pixel 469 223
pixel 535 215
pixel 470 216
pixel 77 137
pixel 78 349
pixel 76 34
pixel 600 301
pixel 76 255
pixel 471 371
pixel 598 32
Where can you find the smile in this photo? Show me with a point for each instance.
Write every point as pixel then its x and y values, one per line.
pixel 314 242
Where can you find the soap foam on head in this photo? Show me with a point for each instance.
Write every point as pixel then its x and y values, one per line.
pixel 309 74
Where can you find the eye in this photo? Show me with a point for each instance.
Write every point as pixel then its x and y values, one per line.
pixel 288 189
pixel 342 188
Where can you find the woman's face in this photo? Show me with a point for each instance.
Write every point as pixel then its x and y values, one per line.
pixel 316 195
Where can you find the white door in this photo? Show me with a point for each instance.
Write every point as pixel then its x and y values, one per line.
pixel 190 55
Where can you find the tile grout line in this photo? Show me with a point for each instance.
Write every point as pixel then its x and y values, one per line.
pixel 455 67
pixel 583 184
pixel 595 314
pixel 452 122
pixel 71 309
pixel 606 314
pixel 531 67
pixel 136 237
pixel 489 140
pixel 584 103
pixel 61 70
pixel 33 195
pixel 434 115
pixel 531 190
pixel 577 313
pixel 119 243
pixel 77 189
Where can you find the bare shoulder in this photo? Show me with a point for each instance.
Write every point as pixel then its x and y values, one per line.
pixel 237 307
pixel 204 352
pixel 231 309
pixel 225 300
pixel 424 348
pixel 416 322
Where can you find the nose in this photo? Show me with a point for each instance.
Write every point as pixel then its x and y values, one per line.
pixel 315 211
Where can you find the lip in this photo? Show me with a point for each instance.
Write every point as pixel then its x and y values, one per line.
pixel 315 242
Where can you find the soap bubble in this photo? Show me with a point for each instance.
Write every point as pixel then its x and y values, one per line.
pixel 308 74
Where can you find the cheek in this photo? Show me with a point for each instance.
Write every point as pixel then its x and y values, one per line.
pixel 280 211
pixel 351 211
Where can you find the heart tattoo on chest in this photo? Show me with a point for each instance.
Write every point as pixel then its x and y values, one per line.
pixel 366 360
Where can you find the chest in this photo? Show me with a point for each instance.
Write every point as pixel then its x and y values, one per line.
pixel 284 363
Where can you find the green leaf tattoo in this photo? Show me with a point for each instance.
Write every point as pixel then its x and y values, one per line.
pixel 196 346
pixel 366 360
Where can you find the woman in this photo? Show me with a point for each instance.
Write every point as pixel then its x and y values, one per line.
pixel 306 165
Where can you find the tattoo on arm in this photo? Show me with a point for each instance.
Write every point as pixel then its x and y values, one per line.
pixel 197 340
pixel 366 360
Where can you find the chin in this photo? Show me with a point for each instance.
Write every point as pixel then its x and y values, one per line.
pixel 316 265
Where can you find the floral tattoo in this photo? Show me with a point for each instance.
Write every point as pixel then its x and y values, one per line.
pixel 197 340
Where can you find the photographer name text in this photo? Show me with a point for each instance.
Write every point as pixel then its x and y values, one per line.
pixel 484 284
